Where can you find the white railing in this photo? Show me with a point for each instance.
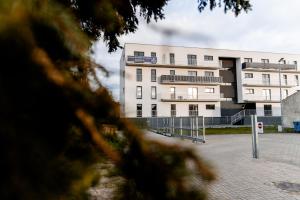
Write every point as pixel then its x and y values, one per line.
pixel 190 79
pixel 184 96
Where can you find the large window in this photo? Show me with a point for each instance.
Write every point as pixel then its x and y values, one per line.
pixel 192 59
pixel 193 93
pixel 193 110
pixel 210 106
pixel 173 110
pixel 172 58
pixel 285 79
pixel 248 60
pixel 153 75
pixel 153 92
pixel 208 73
pixel 266 79
pixel 138 53
pixel 248 75
pixel 267 94
pixel 265 60
pixel 153 110
pixel 172 93
pixel 139 75
pixel 153 54
pixel 172 72
pixel 139 92
pixel 208 58
pixel 268 110
pixel 209 90
pixel 139 110
pixel 192 73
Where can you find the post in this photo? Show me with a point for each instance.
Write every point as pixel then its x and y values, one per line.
pixel 203 128
pixel 254 137
pixel 197 128
pixel 191 120
pixel 181 126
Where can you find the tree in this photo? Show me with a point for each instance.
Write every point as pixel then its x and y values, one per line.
pixel 50 119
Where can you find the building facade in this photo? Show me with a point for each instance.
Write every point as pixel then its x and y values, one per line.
pixel 160 80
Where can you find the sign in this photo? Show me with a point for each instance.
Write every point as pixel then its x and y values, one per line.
pixel 260 127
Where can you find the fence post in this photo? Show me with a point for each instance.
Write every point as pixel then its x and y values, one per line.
pixel 254 136
pixel 191 127
pixel 197 128
pixel 181 126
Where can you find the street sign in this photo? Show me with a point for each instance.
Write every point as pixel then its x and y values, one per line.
pixel 260 127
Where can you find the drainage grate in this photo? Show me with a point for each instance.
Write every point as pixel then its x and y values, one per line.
pixel 287 186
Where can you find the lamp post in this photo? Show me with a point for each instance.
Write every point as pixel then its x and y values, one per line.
pixel 280 88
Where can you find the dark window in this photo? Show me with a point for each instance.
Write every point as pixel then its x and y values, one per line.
pixel 295 62
pixel 173 110
pixel 139 92
pixel 153 92
pixel 139 75
pixel 139 110
pixel 248 75
pixel 153 75
pixel 208 58
pixel 210 107
pixel 193 110
pixel 268 110
pixel 153 54
pixel 192 59
pixel 138 53
pixel 154 110
pixel 172 58
pixel 297 80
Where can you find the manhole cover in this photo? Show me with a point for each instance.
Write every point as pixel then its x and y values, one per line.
pixel 287 186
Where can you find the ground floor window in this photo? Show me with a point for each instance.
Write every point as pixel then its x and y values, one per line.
pixel 268 110
pixel 210 107
pixel 193 110
pixel 154 110
pixel 173 110
pixel 139 110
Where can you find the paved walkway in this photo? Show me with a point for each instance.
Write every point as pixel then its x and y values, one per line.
pixel 240 176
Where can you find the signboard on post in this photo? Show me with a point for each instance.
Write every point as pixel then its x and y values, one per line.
pixel 260 127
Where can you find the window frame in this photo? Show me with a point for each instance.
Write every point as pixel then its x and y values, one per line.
pixel 137 87
pixel 172 58
pixel 208 58
pixel 139 77
pixel 155 92
pixel 153 76
pixel 213 106
pixel 246 75
pixel 192 59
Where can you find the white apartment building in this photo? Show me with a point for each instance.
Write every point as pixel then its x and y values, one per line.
pixel 161 80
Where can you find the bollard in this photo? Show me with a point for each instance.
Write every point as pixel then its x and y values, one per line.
pixel 254 137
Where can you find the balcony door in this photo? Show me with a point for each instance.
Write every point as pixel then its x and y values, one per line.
pixel 268 110
pixel 193 93
pixel 193 110
pixel 267 94
pixel 172 93
pixel 266 79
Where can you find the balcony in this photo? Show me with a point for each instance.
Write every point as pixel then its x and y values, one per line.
pixel 185 97
pixel 142 59
pixel 269 66
pixel 193 80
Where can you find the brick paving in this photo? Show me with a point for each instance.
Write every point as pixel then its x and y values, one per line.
pixel 242 177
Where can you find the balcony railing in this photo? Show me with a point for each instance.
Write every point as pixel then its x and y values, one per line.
pixel 142 59
pixel 190 79
pixel 185 97
pixel 276 66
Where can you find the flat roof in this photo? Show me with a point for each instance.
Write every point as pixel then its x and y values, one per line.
pixel 298 54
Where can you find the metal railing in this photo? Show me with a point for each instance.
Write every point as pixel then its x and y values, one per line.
pixel 240 115
pixel 276 66
pixel 190 79
pixel 142 59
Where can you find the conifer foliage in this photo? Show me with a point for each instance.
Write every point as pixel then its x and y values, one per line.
pixel 51 132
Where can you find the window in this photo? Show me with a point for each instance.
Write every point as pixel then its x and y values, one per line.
pixel 193 110
pixel 249 91
pixel 153 54
pixel 208 58
pixel 285 79
pixel 207 73
pixel 192 59
pixel 209 90
pixel 139 92
pixel 153 75
pixel 172 58
pixel 266 79
pixel 297 80
pixel 265 61
pixel 172 72
pixel 267 94
pixel 193 93
pixel 138 53
pixel 153 92
pixel 153 110
pixel 139 75
pixel 139 110
pixel 210 107
pixel 295 62
pixel 172 93
pixel 268 110
pixel 173 110
pixel 192 73
pixel 285 93
pixel 248 75
pixel 248 60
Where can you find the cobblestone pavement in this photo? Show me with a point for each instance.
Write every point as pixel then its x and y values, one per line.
pixel 242 177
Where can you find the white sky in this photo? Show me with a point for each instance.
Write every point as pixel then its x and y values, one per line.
pixel 272 25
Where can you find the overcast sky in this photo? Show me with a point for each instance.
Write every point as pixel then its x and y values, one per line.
pixel 272 25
